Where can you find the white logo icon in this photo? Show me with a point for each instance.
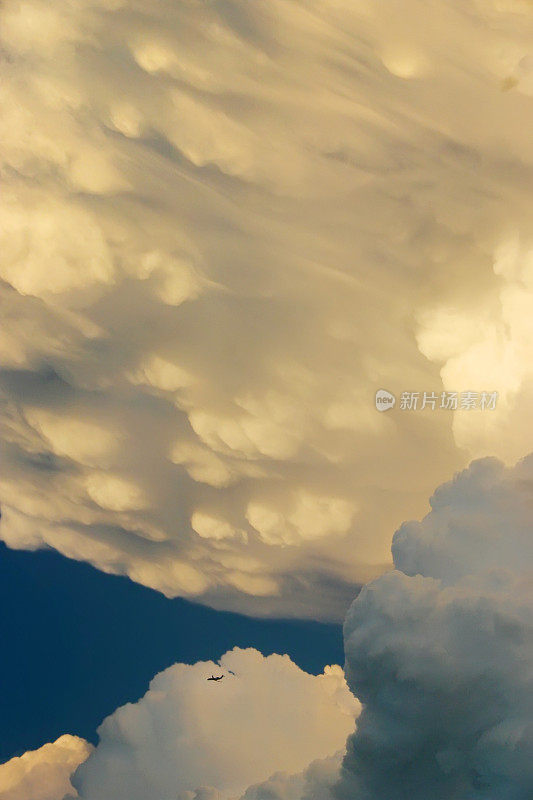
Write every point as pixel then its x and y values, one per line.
pixel 384 400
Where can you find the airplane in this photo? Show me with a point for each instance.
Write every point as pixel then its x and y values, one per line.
pixel 212 678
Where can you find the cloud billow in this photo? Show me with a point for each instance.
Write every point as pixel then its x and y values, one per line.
pixel 44 774
pixel 189 735
pixel 440 652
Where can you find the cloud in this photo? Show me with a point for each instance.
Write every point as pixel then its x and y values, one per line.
pixel 187 736
pixel 43 774
pixel 316 782
pixel 224 226
pixel 440 652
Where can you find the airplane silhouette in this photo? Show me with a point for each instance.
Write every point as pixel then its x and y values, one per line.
pixel 212 678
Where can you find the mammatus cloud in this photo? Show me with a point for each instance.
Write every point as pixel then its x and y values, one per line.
pixel 43 774
pixel 223 226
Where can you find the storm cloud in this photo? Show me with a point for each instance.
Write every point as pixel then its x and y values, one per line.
pixel 440 651
pixel 224 226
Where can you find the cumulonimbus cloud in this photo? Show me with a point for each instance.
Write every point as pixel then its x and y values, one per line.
pixel 188 733
pixel 223 226
pixel 440 652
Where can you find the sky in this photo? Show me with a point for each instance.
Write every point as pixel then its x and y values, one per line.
pixel 266 372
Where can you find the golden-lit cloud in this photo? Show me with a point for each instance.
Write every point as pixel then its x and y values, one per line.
pixel 223 227
pixel 186 733
pixel 44 774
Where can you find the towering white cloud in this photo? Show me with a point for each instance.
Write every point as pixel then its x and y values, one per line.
pixel 188 735
pixel 223 226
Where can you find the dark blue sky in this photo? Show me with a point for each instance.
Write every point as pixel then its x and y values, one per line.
pixel 76 643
